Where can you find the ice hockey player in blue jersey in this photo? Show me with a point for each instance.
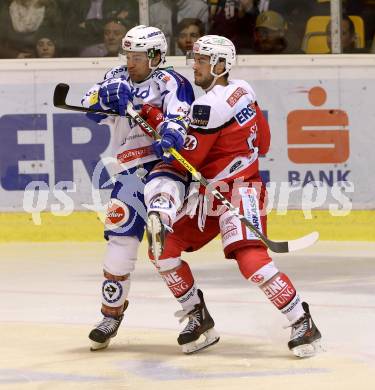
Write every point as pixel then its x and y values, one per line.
pixel 141 80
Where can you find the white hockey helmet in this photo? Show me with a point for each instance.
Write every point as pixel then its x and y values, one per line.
pixel 216 47
pixel 145 39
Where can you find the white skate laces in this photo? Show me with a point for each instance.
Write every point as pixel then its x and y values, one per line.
pixel 200 323
pixel 193 316
pixel 104 330
pixel 299 327
pixel 108 325
pixel 305 336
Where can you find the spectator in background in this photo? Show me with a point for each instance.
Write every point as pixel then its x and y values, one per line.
pixel 296 14
pixel 166 14
pixel 20 21
pixel 87 18
pixel 234 19
pixel 188 31
pixel 114 31
pixel 366 10
pixel 46 45
pixel 348 37
pixel 269 33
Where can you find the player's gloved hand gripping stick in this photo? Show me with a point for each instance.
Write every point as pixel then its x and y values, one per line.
pixel 59 100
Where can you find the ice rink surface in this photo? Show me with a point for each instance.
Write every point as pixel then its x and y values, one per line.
pixel 50 298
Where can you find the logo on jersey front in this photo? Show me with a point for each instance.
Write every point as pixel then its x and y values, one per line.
pixel 235 97
pixel 112 291
pixel 117 214
pixel 190 142
pixel 140 93
pixel 201 115
pixel 246 114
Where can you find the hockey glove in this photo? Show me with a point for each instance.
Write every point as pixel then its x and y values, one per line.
pixel 173 133
pixel 91 100
pixel 115 94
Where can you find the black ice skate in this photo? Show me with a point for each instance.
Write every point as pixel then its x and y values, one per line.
pixel 155 232
pixel 305 336
pixel 200 323
pixel 107 328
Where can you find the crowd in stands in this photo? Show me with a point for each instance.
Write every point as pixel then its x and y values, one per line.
pixel 94 28
pixel 73 27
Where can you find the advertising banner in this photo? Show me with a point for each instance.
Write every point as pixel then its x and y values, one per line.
pixel 321 117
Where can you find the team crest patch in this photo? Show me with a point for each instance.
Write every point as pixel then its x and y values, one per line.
pixel 117 214
pixel 201 115
pixel 235 97
pixel 112 291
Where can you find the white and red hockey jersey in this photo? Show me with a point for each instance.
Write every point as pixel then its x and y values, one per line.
pixel 227 133
pixel 165 89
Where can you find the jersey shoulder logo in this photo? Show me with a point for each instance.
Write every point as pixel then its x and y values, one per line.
pixel 201 115
pixel 236 95
pixel 161 75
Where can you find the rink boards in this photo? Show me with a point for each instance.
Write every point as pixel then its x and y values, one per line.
pixel 320 111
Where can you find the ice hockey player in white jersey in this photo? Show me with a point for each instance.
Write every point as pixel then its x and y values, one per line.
pixel 141 80
pixel 227 133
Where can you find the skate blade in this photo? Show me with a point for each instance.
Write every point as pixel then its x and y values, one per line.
pixel 154 227
pixel 308 350
pixel 211 338
pixel 98 346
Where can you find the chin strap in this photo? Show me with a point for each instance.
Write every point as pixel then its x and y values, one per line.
pixel 216 76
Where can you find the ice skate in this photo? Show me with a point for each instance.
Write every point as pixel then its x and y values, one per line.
pixel 156 231
pixel 107 328
pixel 305 336
pixel 199 323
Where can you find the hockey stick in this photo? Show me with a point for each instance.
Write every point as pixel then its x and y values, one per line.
pixel 59 101
pixel 277 247
pixel 60 94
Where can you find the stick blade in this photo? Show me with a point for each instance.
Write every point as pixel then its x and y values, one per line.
pixel 60 94
pixel 303 242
